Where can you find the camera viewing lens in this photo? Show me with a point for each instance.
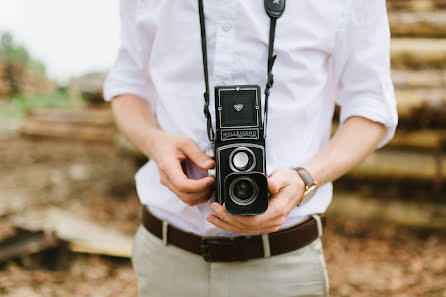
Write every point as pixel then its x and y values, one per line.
pixel 243 190
pixel 242 159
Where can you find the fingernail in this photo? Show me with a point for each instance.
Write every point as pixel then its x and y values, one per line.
pixel 208 163
pixel 213 206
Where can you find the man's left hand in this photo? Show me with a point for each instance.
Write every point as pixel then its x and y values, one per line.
pixel 286 188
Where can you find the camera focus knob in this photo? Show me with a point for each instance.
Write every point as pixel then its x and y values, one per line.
pixel 210 152
pixel 212 172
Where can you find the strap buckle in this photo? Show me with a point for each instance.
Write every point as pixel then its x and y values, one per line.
pixel 270 81
pixel 206 105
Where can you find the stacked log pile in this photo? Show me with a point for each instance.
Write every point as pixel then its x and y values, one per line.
pixel 77 124
pixel 5 87
pixel 89 87
pixel 15 78
pixel 413 165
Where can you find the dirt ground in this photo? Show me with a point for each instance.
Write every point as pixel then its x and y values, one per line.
pixel 94 181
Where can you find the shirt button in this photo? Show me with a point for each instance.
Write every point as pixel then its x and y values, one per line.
pixel 227 27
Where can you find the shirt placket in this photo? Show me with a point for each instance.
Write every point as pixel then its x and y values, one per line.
pixel 224 55
pixel 224 46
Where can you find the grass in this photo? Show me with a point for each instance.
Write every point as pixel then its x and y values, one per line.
pixel 17 106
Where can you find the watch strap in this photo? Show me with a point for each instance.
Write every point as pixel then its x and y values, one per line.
pixel 306 176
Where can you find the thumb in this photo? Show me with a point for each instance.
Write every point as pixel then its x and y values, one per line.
pixel 196 155
pixel 276 181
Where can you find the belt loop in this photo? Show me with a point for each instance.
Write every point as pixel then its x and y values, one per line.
pixel 266 246
pixel 141 210
pixel 320 229
pixel 165 227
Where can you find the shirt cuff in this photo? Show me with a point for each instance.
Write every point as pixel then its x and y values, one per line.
pixel 115 86
pixel 374 109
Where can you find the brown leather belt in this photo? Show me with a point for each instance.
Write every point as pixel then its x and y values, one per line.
pixel 242 248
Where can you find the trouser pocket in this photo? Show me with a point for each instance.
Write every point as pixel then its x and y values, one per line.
pixel 323 267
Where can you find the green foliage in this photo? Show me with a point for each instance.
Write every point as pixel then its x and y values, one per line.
pixel 20 104
pixel 18 54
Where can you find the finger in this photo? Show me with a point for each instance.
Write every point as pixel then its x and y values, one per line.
pixel 279 205
pixel 190 199
pixel 196 155
pixel 204 196
pixel 222 214
pixel 252 223
pixel 175 173
pixel 276 181
pixel 223 225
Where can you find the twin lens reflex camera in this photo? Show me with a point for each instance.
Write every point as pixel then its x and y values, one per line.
pixel 239 151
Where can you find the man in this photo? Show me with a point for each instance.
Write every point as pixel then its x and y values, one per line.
pixel 326 51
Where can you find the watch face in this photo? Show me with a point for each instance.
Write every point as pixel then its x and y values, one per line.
pixel 309 194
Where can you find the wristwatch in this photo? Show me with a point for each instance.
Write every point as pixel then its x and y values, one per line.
pixel 310 185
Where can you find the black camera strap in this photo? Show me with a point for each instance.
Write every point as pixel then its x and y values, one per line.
pixel 274 9
pixel 204 51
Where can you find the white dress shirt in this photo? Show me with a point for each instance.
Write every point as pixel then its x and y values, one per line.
pixel 327 52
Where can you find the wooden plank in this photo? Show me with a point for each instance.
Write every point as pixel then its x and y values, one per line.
pixel 418 53
pixel 426 105
pixel 67 131
pixel 421 107
pixel 420 139
pixel 26 244
pixel 415 5
pixel 429 78
pixel 83 236
pixel 418 24
pixel 402 165
pixel 407 213
pixel 98 116
pixel 424 139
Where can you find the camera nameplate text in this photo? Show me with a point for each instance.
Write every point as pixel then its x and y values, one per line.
pixel 239 134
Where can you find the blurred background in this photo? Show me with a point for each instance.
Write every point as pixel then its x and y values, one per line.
pixel 68 207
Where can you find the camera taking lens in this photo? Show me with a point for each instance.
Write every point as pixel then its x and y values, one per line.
pixel 243 190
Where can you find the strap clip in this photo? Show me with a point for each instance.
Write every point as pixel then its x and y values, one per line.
pixel 275 8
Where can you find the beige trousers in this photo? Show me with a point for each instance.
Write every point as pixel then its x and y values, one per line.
pixel 168 271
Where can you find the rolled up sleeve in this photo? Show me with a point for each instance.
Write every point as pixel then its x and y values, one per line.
pixel 362 66
pixel 129 74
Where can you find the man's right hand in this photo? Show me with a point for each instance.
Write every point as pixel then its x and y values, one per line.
pixel 169 152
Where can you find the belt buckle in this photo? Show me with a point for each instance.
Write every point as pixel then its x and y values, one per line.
pixel 205 245
pixel 205 249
